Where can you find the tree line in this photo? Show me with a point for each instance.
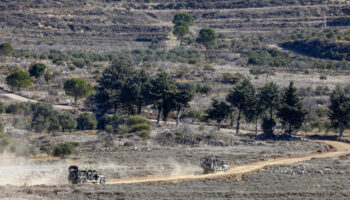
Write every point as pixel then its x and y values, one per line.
pixel 273 104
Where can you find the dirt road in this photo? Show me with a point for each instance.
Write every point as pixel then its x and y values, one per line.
pixel 19 98
pixel 236 172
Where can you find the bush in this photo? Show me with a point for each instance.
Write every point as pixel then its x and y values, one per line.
pixel 139 127
pixel 19 108
pixel 47 148
pixel 64 149
pixel 323 77
pixel 87 121
pixel 80 63
pixel 37 70
pixel 203 89
pixel 136 119
pixel 230 78
pixel 6 49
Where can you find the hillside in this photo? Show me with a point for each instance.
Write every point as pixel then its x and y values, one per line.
pixel 110 24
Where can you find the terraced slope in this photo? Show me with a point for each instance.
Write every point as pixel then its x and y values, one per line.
pixel 114 23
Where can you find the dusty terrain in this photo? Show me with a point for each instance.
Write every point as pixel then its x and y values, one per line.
pixel 270 169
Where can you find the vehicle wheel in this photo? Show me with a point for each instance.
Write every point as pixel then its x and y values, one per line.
pixel 82 181
pixel 103 181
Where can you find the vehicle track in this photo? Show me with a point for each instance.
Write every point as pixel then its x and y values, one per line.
pixel 236 172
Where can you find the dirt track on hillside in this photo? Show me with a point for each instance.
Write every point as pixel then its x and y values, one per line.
pixel 236 172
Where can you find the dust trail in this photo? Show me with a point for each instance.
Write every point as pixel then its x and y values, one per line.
pixel 236 172
pixel 24 172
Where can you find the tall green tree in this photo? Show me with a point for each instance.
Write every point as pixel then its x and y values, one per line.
pixel 255 111
pixel 162 93
pixel 270 98
pixel 291 111
pixel 37 70
pixel 218 111
pixel 183 95
pixel 19 79
pixel 136 91
pixel 109 88
pixel 6 49
pixel 339 110
pixel 180 30
pixel 78 88
pixel 206 36
pixel 182 21
pixel 242 97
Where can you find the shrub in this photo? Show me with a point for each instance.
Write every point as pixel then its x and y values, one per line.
pixel 37 70
pixel 139 127
pixel 80 63
pixel 87 121
pixel 203 89
pixel 323 77
pixel 6 49
pixel 47 148
pixel 230 78
pixel 64 149
pixel 136 119
pixel 19 108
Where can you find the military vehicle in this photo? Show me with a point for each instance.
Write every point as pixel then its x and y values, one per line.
pixel 84 176
pixel 213 165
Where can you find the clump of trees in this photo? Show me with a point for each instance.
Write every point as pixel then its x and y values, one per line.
pixel 43 117
pixel 267 102
pixel 126 90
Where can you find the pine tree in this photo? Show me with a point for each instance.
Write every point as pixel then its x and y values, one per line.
pixel 291 111
pixel 269 97
pixel 135 92
pixel 108 94
pixel 218 111
pixel 242 97
pixel 162 94
pixel 184 94
pixel 339 111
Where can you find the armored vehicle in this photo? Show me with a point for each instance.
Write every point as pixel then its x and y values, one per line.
pixel 84 176
pixel 213 165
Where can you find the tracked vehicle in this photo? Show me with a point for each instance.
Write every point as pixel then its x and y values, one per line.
pixel 77 176
pixel 213 165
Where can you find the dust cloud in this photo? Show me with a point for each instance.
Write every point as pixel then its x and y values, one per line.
pixel 19 171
